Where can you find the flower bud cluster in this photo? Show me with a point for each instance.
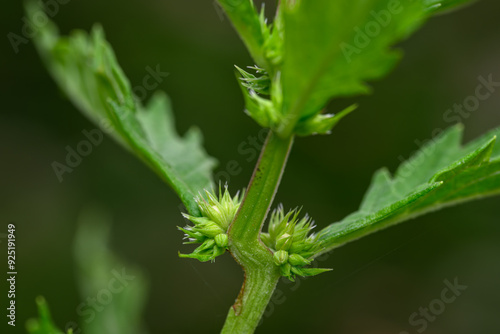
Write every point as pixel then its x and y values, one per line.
pixel 210 230
pixel 263 96
pixel 293 244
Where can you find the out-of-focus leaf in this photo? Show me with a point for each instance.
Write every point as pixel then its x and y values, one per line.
pixel 118 290
pixel 85 68
pixel 441 174
pixel 43 324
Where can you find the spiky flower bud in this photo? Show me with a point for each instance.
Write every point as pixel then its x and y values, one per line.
pixel 280 257
pixel 222 240
pixel 259 83
pixel 263 96
pixel 221 209
pixel 298 260
pixel 293 244
pixel 286 271
pixel 211 230
pixel 284 241
pixel 218 211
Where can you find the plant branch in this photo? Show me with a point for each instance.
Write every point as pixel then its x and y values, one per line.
pixel 261 274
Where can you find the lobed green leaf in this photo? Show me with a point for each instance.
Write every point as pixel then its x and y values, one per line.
pixel 441 174
pixel 85 68
pixel 332 48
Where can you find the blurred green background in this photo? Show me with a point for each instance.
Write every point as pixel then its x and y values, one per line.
pixel 376 283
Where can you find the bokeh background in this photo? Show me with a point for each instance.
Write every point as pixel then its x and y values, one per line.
pixel 377 282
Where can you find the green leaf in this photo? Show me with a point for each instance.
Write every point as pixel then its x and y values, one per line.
pixel 85 68
pixel 44 323
pixel 250 26
pixel 119 289
pixel 333 47
pixel 441 174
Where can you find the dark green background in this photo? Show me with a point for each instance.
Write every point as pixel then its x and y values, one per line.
pixel 376 283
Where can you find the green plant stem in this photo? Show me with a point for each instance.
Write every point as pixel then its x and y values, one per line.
pixel 262 188
pixel 255 295
pixel 261 274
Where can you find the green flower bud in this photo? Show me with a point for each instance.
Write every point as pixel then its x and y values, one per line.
pixel 321 124
pixel 284 242
pixel 219 209
pixel 197 221
pixel 217 252
pixel 286 270
pixel 297 260
pixel 192 236
pixel 260 84
pixel 280 257
pixel 293 243
pixel 210 229
pixel 222 240
pixel 207 244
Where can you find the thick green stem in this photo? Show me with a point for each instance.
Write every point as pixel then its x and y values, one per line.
pixel 262 188
pixel 255 294
pixel 261 274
